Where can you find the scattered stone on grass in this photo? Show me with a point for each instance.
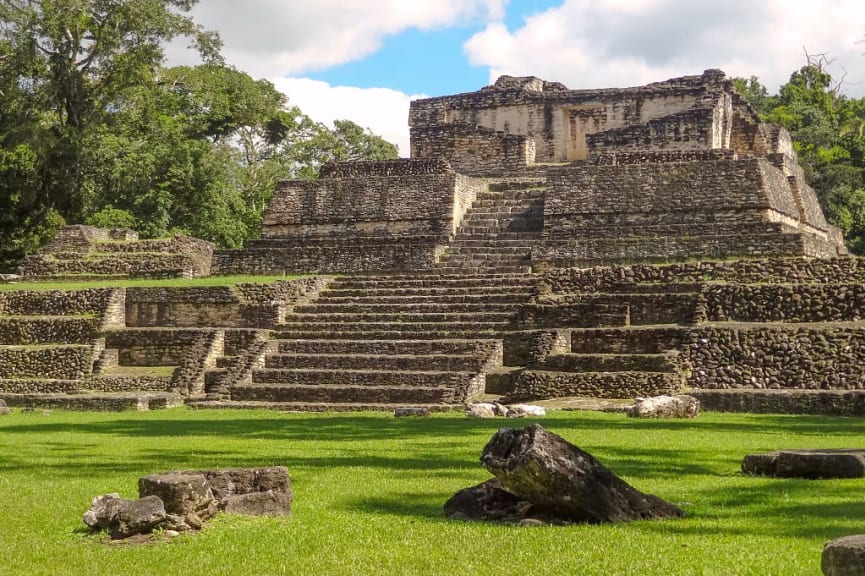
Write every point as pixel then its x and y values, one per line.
pixel 844 556
pixel 180 501
pixel 494 410
pixel 542 478
pixel 664 406
pixel 525 410
pixel 4 409
pixel 809 464
pixel 411 412
pixel 9 278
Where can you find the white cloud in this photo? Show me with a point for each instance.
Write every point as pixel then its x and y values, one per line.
pixel 607 43
pixel 382 110
pixel 270 38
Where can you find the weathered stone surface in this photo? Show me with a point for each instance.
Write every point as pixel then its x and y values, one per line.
pixel 4 409
pixel 811 464
pixel 844 556
pixel 564 481
pixel 252 491
pixel 9 278
pixel 481 410
pixel 678 406
pixel 411 412
pixel 124 518
pixel 486 501
pixel 185 494
pixel 525 411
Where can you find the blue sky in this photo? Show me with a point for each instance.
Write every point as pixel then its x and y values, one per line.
pixel 365 60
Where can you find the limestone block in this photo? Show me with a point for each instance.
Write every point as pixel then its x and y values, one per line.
pixel 844 556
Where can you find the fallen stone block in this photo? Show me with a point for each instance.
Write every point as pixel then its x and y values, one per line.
pixel 184 494
pixel 411 412
pixel 9 278
pixel 525 410
pixel 481 410
pixel 4 409
pixel 252 491
pixel 844 556
pixel 562 481
pixel 809 464
pixel 124 518
pixel 664 406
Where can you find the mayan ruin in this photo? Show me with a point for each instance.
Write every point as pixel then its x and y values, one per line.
pixel 540 243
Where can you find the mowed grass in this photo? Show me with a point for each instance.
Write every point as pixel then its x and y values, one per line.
pixel 369 489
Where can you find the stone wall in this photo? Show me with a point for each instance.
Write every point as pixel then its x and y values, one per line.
pixel 359 216
pixel 54 362
pixel 764 271
pixel 680 114
pixel 473 149
pixel 788 357
pixel 84 251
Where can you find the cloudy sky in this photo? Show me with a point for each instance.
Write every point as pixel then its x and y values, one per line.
pixel 366 59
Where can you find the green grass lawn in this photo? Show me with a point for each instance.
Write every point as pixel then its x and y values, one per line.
pixel 369 489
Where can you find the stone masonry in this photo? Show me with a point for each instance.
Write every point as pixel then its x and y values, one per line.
pixel 541 242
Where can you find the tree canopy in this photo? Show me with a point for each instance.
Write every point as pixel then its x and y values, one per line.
pixel 95 129
pixel 828 131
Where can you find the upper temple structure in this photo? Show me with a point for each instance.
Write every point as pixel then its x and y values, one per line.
pixel 527 173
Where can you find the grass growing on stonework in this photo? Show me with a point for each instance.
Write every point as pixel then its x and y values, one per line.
pixel 90 282
pixel 369 489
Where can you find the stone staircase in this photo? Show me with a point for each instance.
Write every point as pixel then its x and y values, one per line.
pixel 499 231
pixel 376 342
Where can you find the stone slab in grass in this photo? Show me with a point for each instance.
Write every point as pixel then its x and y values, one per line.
pixel 844 556
pixel 810 464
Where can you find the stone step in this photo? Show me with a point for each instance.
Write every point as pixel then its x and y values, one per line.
pixel 376 347
pixel 400 317
pixel 383 362
pixel 361 406
pixel 445 267
pixel 483 208
pixel 496 227
pixel 521 192
pixel 424 292
pixel 609 232
pixel 609 363
pixel 499 236
pixel 377 308
pixel 35 330
pixel 335 394
pixel 654 288
pixel 627 340
pixel 409 329
pixel 390 332
pixel 360 377
pixel 541 384
pixel 491 250
pixel 442 280
pixel 440 298
pixel 483 241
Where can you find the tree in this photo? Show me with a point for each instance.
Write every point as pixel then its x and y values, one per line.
pixel 828 133
pixel 64 66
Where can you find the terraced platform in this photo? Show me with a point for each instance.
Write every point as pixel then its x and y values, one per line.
pixel 384 341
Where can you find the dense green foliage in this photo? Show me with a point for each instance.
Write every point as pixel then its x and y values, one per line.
pixel 369 490
pixel 828 130
pixel 94 129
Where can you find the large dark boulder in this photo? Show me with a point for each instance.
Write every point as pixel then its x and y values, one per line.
pixel 810 464
pixel 487 501
pixel 844 556
pixel 562 481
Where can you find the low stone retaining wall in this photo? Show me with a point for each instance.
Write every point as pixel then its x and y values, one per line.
pixel 47 330
pixel 777 357
pixel 58 362
pixel 817 402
